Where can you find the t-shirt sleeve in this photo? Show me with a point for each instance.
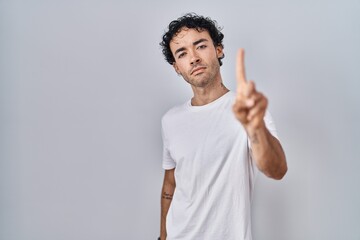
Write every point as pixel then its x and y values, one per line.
pixel 270 124
pixel 167 161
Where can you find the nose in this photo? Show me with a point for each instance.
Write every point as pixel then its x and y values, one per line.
pixel 195 59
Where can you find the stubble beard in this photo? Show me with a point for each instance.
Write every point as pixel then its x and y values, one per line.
pixel 206 78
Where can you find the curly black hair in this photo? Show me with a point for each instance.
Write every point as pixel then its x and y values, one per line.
pixel 191 20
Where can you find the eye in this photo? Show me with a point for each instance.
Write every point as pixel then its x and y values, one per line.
pixel 181 55
pixel 202 46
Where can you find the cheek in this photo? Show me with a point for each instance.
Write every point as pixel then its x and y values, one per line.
pixel 182 67
pixel 214 58
pixel 211 55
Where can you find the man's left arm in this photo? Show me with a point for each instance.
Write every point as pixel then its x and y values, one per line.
pixel 268 153
pixel 250 108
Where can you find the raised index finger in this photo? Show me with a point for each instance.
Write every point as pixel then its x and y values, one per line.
pixel 240 68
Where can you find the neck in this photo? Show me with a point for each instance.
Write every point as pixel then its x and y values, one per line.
pixel 207 94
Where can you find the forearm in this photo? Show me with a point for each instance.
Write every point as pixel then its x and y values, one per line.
pixel 166 198
pixel 268 153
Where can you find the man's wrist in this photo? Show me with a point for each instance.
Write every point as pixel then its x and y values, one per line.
pixel 253 131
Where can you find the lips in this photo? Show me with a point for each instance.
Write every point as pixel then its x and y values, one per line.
pixel 197 69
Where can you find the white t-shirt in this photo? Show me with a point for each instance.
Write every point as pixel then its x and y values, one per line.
pixel 214 171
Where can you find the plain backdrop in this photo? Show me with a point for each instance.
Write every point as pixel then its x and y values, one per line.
pixel 84 85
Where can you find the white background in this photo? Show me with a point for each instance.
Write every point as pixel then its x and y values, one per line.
pixel 84 85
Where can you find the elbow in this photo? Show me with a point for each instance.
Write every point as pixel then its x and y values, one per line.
pixel 280 175
pixel 280 172
pixel 276 172
pixel 275 168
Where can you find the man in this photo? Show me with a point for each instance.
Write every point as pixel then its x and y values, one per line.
pixel 213 144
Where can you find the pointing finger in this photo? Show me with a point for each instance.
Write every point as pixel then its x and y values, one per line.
pixel 240 68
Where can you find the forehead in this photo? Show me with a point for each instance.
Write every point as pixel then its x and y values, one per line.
pixel 187 36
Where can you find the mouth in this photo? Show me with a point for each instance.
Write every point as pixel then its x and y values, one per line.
pixel 196 70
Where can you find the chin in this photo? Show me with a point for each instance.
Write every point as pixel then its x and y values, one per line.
pixel 202 82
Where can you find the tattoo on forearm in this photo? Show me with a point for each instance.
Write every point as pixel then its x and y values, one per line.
pixel 167 196
pixel 254 139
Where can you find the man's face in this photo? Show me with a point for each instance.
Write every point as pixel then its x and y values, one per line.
pixel 196 57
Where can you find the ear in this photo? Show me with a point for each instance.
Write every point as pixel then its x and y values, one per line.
pixel 219 51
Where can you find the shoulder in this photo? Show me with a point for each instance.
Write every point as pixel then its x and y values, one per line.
pixel 174 113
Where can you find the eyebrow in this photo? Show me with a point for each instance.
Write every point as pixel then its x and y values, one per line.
pixel 194 44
